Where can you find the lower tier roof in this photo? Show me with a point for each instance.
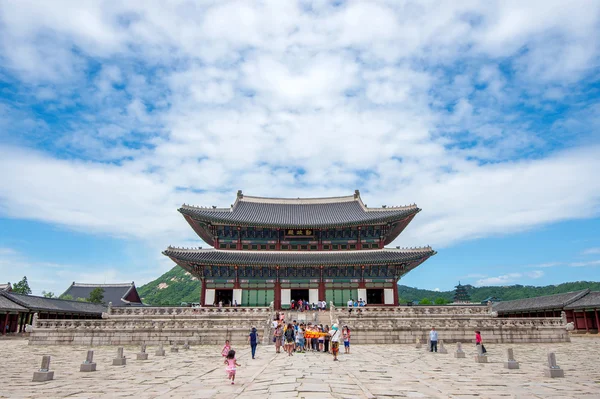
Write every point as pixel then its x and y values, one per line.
pixel 299 258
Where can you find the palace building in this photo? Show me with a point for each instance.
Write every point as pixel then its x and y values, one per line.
pixel 278 250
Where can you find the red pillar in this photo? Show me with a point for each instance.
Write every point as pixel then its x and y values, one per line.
pixel 4 323
pixel 239 243
pixel 202 291
pixel 278 243
pixel 359 242
pixel 585 320
pixel 396 293
pixel 321 285
pixel 597 321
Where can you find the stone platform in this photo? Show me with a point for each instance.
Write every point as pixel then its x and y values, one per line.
pixel 370 371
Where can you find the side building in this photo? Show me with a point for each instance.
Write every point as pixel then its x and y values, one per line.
pixel 278 250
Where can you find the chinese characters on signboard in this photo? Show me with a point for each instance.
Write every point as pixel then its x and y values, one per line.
pixel 299 233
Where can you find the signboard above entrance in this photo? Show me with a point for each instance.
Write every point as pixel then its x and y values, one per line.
pixel 302 233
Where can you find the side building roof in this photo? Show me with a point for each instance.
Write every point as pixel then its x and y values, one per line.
pixel 119 294
pixel 557 301
pixel 299 212
pixel 38 303
pixel 6 305
pixel 5 287
pixel 299 258
pixel 591 300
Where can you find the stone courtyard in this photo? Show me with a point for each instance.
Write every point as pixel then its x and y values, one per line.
pixel 370 371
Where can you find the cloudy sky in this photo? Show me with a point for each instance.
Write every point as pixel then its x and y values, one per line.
pixel 485 114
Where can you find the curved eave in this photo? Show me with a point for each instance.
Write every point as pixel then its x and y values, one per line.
pixel 188 257
pixel 215 219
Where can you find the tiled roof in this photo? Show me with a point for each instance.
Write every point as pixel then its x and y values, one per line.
pixel 591 300
pixel 539 303
pixel 114 293
pixel 299 258
pixel 7 305
pixel 5 287
pixel 38 303
pixel 299 212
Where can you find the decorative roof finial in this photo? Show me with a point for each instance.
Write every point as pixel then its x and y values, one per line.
pixel 356 194
pixel 239 194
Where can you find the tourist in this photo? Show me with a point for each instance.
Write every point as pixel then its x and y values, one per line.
pixel 289 335
pixel 300 307
pixel 231 363
pixel 327 338
pixel 253 340
pixel 335 341
pixel 226 349
pixel 433 338
pixel 277 337
pixel 293 305
pixel 321 338
pixel 350 303
pixel 346 335
pixel 300 338
pixel 479 342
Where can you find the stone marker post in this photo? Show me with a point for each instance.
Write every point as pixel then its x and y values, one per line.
pixel 120 360
pixel 174 348
pixel 142 355
pixel 459 354
pixel 553 371
pixel 88 364
pixel 510 363
pixel 44 373
pixel 480 357
pixel 442 349
pixel 418 345
pixel 160 351
pixel 186 345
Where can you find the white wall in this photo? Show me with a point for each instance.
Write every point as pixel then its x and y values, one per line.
pixel 388 296
pixel 362 293
pixel 209 297
pixel 313 295
pixel 237 296
pixel 286 296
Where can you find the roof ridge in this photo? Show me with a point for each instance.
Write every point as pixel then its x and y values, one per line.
pixel 102 285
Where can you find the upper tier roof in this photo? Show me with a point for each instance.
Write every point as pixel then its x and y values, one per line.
pixel 299 212
pixel 299 258
pixel 540 303
pixel 117 294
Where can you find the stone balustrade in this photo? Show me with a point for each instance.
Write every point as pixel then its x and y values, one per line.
pixel 185 311
pixel 413 311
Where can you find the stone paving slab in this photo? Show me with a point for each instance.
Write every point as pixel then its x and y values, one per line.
pixel 371 371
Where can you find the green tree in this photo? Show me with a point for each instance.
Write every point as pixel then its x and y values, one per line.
pixel 440 301
pixel 82 300
pixel 97 295
pixel 66 297
pixel 425 301
pixel 22 287
pixel 48 294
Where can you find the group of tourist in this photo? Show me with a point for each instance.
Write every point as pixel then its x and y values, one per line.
pixel 301 305
pixel 433 340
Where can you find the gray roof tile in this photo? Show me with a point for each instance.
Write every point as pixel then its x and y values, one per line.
pixel 300 212
pixel 114 293
pixel 591 300
pixel 297 258
pixel 540 303
pixel 38 303
pixel 7 305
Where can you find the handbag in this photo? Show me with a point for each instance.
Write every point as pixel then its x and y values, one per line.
pixel 483 349
pixel 274 339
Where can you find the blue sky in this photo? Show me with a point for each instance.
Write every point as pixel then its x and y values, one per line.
pixel 485 114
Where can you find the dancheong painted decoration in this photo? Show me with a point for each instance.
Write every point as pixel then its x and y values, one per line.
pixel 310 249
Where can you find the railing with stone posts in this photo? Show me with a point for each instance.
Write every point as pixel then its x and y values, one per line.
pixel 145 311
pixel 412 311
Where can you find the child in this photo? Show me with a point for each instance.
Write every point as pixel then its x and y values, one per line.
pixel 231 363
pixel 226 349
pixel 346 335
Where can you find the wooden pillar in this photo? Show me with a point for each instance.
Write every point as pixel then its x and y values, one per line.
pixel 239 243
pixel 5 323
pixel 597 320
pixel 358 240
pixel 321 285
pixel 587 329
pixel 395 293
pixel 320 242
pixel 278 243
pixel 202 291
pixel 236 284
pixel 277 293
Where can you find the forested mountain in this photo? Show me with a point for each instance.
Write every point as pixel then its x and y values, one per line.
pixel 177 286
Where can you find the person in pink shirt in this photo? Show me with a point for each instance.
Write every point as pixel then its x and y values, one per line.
pixel 226 349
pixel 231 363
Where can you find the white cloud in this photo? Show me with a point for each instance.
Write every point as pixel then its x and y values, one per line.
pixel 584 264
pixel 187 102
pixel 591 251
pixel 436 289
pixel 509 278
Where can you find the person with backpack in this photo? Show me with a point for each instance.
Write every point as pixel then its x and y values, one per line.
pixel 335 341
pixel 478 341
pixel 290 339
pixel 253 340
